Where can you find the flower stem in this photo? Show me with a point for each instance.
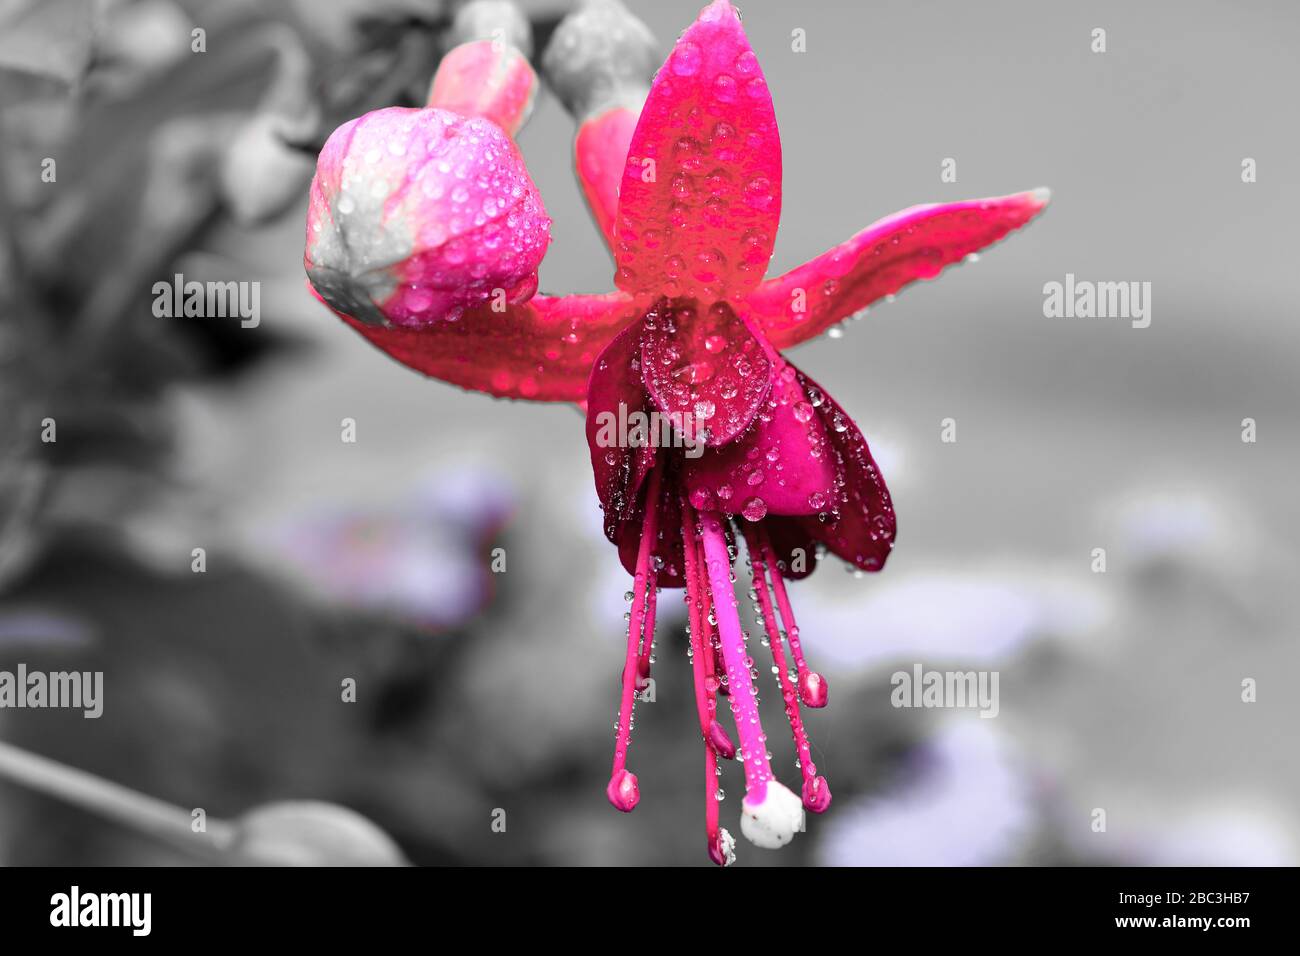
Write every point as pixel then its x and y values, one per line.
pixel 112 801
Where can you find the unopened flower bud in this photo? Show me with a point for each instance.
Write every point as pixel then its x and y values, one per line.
pixel 418 215
pixel 600 57
pixel 487 73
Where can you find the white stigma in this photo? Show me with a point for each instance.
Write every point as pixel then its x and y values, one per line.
pixel 774 822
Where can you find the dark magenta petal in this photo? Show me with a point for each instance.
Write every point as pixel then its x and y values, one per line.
pixel 706 371
pixel 858 523
pixel 669 561
pixel 781 466
pixel 914 244
pixel 794 547
pixel 701 193
pixel 541 350
pixel 615 395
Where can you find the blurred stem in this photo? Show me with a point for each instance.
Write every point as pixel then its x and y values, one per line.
pixel 133 809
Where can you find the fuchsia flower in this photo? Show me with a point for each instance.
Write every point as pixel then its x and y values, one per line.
pixel 694 333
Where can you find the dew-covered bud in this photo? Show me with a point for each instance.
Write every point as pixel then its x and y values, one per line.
pixel 310 833
pixel 600 57
pixel 487 73
pixel 418 215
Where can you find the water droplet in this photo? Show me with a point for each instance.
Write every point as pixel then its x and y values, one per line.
pixel 687 59
pixel 724 88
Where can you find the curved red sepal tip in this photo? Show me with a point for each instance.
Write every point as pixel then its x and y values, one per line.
pixel 817 795
pixel 917 243
pixel 721 741
pixel 623 791
pixel 813 690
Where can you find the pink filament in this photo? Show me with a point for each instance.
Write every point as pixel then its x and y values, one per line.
pixel 783 603
pixel 705 702
pixel 644 582
pixel 759 557
pixel 744 702
pixel 647 642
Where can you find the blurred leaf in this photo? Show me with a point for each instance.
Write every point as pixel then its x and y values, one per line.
pixel 44 45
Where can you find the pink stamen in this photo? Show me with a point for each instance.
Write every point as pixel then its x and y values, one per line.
pixel 719 841
pixel 744 697
pixel 816 792
pixel 715 674
pixel 623 791
pixel 701 663
pixel 647 641
pixel 813 689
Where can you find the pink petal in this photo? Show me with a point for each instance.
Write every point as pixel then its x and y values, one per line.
pixel 790 539
pixel 706 371
pixel 615 392
pixel 784 461
pixel 541 350
pixel 859 524
pixel 701 193
pixel 600 154
pixel 916 243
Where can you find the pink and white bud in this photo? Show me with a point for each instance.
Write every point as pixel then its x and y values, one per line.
pixel 487 73
pixel 417 215
pixel 486 78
